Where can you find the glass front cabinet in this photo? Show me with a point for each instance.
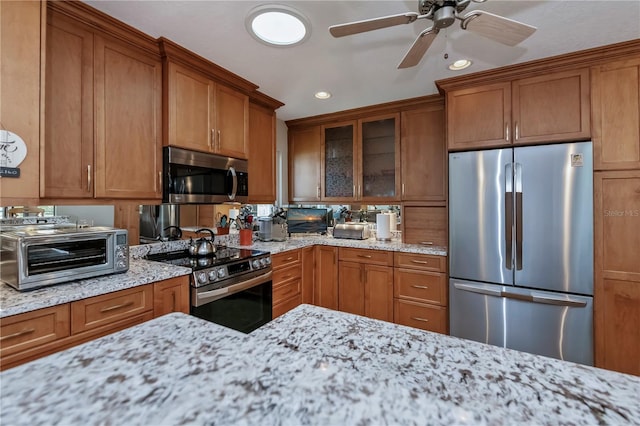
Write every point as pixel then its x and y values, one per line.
pixel 361 160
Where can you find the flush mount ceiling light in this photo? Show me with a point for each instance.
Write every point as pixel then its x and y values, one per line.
pixel 322 95
pixel 460 64
pixel 277 25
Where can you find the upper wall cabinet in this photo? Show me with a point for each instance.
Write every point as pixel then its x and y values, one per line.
pixel 204 115
pixel 339 169
pixel 20 109
pixel 548 108
pixel 103 130
pixel 304 164
pixel 262 154
pixel 615 114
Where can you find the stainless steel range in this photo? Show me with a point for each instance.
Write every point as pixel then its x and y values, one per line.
pixel 231 287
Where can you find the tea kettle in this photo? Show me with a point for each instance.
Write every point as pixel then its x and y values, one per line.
pixel 202 246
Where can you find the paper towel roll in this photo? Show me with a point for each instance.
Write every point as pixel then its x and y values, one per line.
pixel 382 227
pixel 393 221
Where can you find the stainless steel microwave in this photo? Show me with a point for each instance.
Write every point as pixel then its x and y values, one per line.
pixel 192 177
pixel 37 256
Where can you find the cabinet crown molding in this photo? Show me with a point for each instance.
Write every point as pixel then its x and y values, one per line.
pixel 579 59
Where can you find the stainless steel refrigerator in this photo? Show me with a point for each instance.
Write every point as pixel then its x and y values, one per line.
pixel 521 249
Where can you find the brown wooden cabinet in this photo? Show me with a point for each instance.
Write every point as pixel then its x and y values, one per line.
pixel 308 273
pixel 615 115
pixel 287 281
pixel 365 283
pixel 617 271
pixel 326 277
pixel 420 291
pixel 548 108
pixel 21 110
pixel 204 115
pixel 304 164
pixel 426 226
pixel 171 295
pixel 262 154
pixel 423 154
pixel 127 216
pixel 103 122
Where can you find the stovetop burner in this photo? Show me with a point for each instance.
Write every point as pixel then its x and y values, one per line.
pixel 223 255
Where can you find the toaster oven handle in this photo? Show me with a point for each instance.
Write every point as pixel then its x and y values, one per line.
pixel 234 188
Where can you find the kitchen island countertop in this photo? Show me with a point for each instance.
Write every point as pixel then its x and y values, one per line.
pixel 310 366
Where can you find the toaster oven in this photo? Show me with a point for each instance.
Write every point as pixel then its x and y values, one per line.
pixel 32 257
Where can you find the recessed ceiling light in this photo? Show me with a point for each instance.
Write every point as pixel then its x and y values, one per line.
pixel 460 64
pixel 322 95
pixel 277 25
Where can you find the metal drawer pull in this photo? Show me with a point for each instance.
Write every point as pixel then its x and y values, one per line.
pixel 88 177
pixel 113 308
pixel 426 243
pixel 289 258
pixel 19 333
pixel 423 287
pixel 366 256
pixel 421 262
pixel 419 319
pixel 287 277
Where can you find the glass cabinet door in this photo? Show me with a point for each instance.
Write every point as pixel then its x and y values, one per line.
pixel 380 157
pixel 339 161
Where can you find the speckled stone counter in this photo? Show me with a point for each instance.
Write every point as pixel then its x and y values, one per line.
pixel 310 366
pixel 140 272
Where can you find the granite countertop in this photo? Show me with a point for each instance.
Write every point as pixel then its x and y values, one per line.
pixel 140 272
pixel 310 366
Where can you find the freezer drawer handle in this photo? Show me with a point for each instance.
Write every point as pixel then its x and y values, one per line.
pixel 477 289
pixel 559 301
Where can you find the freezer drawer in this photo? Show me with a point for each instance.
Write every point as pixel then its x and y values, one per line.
pixel 545 323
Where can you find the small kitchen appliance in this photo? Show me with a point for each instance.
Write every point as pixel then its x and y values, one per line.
pixel 351 230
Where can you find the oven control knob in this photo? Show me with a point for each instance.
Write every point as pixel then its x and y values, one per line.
pixel 263 261
pixel 213 275
pixel 256 264
pixel 268 260
pixel 221 273
pixel 202 277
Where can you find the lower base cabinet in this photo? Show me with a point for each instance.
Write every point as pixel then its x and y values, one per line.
pixel 420 315
pixel 287 281
pixel 325 289
pixel 32 335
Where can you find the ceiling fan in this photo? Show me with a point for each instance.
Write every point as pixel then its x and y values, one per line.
pixel 443 13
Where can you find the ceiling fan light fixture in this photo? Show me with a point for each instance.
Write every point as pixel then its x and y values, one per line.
pixel 278 25
pixel 322 95
pixel 460 64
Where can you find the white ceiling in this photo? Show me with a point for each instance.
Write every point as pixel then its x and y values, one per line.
pixel 360 70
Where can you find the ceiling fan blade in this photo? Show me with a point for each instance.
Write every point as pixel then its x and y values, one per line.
pixel 498 28
pixel 342 30
pixel 419 48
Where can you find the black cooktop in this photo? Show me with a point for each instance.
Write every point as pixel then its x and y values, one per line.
pixel 222 256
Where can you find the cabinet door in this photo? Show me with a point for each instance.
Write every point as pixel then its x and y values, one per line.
pixel 128 143
pixel 379 158
pixel 127 216
pixel 326 279
pixel 304 164
pixel 232 122
pixel 262 154
pixel 308 269
pixel 615 115
pixel 479 117
pixel 378 292
pixel 171 295
pixel 427 226
pixel 551 108
pixel 351 293
pixel 20 110
pixel 423 155
pixel 339 152
pixel 68 148
pixel 189 106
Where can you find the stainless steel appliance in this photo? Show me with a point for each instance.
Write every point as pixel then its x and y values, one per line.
pixel 521 249
pixel 231 287
pixel 159 223
pixel 351 230
pixel 38 256
pixel 198 177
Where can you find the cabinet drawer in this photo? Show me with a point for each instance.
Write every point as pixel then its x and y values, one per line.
pixel 286 273
pixel 286 306
pixel 285 258
pixel 419 315
pixel 420 286
pixel 101 310
pixel 421 261
pixel 24 331
pixel 286 290
pixel 372 257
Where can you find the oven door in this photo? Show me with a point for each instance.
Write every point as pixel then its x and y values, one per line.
pixel 243 307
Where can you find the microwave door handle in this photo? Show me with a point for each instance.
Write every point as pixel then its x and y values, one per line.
pixel 234 189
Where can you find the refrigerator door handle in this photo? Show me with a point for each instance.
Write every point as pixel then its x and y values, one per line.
pixel 518 188
pixel 547 300
pixel 508 214
pixel 478 289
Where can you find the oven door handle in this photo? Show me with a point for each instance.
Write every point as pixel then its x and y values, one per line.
pixel 210 296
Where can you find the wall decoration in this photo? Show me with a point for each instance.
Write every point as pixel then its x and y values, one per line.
pixel 13 151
